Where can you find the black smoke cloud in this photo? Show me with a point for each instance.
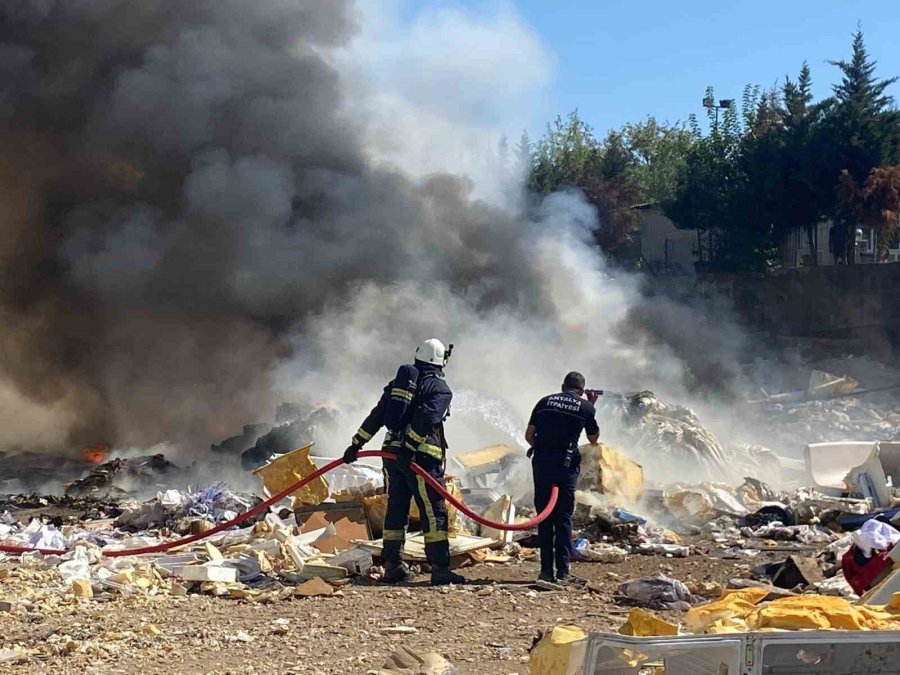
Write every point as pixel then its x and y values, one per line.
pixel 181 188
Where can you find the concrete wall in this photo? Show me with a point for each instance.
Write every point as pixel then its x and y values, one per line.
pixel 860 302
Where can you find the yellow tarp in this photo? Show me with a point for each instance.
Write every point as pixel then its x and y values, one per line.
pixel 818 612
pixel 560 652
pixel 284 471
pixel 740 611
pixel 642 623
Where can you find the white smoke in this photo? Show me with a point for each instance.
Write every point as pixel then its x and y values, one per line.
pixel 437 92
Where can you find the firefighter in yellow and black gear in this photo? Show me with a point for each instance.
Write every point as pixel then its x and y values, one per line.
pixel 413 407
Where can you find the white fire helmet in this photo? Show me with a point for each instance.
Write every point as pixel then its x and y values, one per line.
pixel 432 351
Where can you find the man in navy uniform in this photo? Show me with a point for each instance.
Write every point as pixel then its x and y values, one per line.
pixel 413 407
pixel 553 431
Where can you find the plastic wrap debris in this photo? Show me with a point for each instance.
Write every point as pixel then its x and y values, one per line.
pixel 873 536
pixel 805 534
pixel 558 652
pixel 836 585
pixel 657 592
pixel 213 504
pixel 352 480
pixel 602 552
pixel 656 430
pixel 669 550
pixel 79 567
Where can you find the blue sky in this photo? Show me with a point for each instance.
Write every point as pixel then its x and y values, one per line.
pixel 619 61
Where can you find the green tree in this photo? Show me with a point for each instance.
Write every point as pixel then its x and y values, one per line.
pixel 569 156
pixel 860 132
pixel 658 155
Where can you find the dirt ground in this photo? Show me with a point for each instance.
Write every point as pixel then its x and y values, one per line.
pixel 485 627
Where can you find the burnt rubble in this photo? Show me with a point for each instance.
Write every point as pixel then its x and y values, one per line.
pixel 119 476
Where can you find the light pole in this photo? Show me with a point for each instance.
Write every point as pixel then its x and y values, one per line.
pixel 709 102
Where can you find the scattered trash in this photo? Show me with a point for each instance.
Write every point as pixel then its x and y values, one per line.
pixel 405 661
pixel 657 592
pixel 602 552
pixel 671 550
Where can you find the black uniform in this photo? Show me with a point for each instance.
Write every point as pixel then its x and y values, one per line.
pixel 559 420
pixel 413 407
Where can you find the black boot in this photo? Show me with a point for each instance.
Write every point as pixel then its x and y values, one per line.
pixel 438 555
pixel 395 570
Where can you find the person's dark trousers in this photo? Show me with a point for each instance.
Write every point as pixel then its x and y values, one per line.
pixel 396 515
pixel 555 533
pixel 432 506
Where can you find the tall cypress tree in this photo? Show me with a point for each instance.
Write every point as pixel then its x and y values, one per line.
pixel 861 131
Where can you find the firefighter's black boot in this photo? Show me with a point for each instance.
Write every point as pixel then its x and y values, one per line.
pixel 395 570
pixel 438 555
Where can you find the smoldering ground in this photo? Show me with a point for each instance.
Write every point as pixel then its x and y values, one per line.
pixel 197 223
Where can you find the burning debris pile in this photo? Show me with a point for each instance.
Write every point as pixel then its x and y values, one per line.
pixel 830 548
pixel 118 477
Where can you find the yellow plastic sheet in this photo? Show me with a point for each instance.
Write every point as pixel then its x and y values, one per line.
pixel 642 623
pixel 819 612
pixel 727 614
pixel 740 611
pixel 560 652
pixel 286 470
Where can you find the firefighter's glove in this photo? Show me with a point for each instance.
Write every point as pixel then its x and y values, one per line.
pixel 350 454
pixel 404 458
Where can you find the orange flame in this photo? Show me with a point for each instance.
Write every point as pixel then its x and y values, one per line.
pixel 96 454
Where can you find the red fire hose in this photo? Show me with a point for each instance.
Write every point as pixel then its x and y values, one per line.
pixel 259 508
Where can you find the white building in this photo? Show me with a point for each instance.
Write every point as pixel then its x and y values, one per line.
pixel 665 249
